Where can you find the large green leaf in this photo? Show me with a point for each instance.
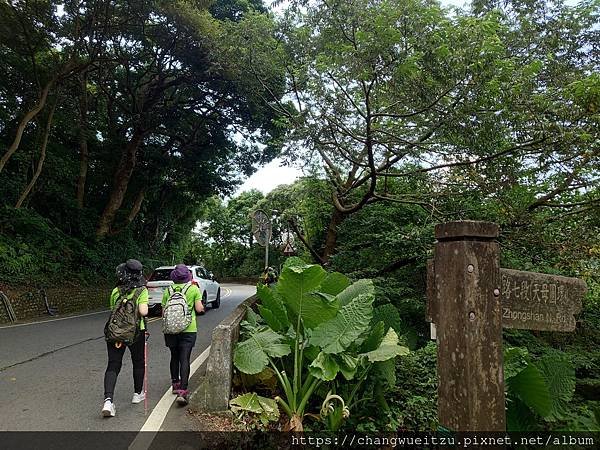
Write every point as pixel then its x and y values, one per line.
pixel 389 315
pixel 385 372
pixel 347 364
pixel 388 348
pixel 360 287
pixel 531 388
pixel 295 261
pixel 270 318
pixel 515 360
pixel 324 367
pixel 252 402
pixel 374 338
pixel 334 283
pixel 277 315
pixel 297 286
pixel 352 320
pixel 311 352
pixel 252 355
pixel 519 417
pixel 251 317
pixel 559 374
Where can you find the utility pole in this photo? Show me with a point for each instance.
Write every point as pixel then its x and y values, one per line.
pixel 267 248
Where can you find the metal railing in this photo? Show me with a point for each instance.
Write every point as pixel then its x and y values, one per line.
pixel 41 294
pixel 50 310
pixel 10 312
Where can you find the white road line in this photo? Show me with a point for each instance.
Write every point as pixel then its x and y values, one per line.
pixel 146 435
pixel 52 320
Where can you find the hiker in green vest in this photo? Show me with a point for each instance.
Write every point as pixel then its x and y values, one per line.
pixel 180 304
pixel 269 276
pixel 131 287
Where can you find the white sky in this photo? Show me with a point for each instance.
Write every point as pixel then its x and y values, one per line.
pixel 269 177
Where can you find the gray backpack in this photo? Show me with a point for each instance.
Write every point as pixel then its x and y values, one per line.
pixel 176 313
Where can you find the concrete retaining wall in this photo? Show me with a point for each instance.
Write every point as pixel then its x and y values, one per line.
pixel 214 390
pixel 28 303
pixel 239 280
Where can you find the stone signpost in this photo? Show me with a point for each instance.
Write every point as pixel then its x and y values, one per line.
pixel 469 300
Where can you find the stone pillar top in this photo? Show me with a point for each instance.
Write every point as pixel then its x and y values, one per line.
pixel 466 229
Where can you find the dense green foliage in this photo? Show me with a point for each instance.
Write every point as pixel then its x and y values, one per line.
pixel 487 114
pixel 403 114
pixel 117 119
pixel 223 239
pixel 392 241
pixel 497 105
pixel 315 329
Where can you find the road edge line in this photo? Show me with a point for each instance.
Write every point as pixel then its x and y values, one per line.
pixel 146 435
pixel 38 322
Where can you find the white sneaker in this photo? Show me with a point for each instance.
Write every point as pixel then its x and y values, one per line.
pixel 109 410
pixel 137 398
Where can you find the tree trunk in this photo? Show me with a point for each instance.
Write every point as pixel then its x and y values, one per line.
pixel 40 164
pixel 312 251
pixel 135 209
pixel 137 205
pixel 23 124
pixel 337 218
pixel 120 183
pixel 83 145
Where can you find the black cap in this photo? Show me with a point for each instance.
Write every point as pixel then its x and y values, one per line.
pixel 134 266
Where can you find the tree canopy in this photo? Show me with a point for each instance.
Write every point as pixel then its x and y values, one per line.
pixel 118 118
pixel 502 99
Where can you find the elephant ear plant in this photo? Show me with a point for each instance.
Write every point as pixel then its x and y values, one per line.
pixel 314 327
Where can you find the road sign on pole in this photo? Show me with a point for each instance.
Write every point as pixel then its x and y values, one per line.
pixel 261 229
pixel 287 241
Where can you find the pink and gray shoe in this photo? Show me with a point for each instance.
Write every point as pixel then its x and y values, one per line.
pixel 182 397
pixel 176 386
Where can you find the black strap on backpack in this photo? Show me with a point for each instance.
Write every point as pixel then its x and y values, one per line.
pixel 123 292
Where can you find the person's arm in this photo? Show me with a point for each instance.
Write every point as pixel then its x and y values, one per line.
pixel 164 300
pixel 198 306
pixel 143 303
pixel 113 298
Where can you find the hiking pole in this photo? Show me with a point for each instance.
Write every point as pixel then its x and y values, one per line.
pixel 146 336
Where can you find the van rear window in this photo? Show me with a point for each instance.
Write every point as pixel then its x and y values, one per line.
pixel 161 275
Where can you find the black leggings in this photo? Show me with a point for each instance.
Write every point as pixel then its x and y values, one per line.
pixel 115 361
pixel 181 349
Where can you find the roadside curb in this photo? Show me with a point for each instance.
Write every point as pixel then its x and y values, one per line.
pixel 214 389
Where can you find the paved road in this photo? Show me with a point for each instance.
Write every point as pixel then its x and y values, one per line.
pixel 51 373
